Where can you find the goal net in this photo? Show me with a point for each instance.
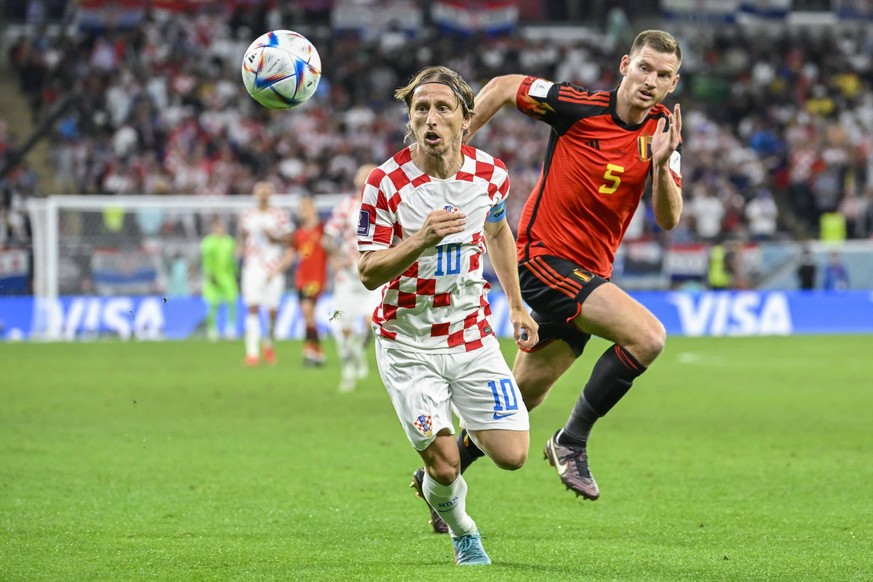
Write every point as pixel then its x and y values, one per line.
pixel 133 246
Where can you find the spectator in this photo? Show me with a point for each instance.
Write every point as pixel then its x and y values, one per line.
pixel 832 227
pixel 836 277
pixel 706 212
pixel 787 118
pixel 806 270
pixel 718 275
pixel 761 215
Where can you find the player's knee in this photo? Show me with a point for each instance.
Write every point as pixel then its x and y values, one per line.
pixel 533 389
pixel 443 473
pixel 511 460
pixel 651 342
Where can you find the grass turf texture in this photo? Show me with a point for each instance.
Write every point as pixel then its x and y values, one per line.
pixel 731 459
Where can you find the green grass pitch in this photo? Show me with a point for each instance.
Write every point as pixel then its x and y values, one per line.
pixel 731 459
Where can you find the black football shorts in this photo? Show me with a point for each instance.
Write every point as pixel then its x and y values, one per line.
pixel 555 290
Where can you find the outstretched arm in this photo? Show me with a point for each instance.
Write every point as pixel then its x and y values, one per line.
pixel 501 248
pixel 498 92
pixel 285 262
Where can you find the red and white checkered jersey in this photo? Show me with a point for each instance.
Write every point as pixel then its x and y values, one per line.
pixel 342 226
pixel 439 303
pixel 259 250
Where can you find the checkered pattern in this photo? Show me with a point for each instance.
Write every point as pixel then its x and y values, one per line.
pixel 259 251
pixel 342 227
pixel 439 303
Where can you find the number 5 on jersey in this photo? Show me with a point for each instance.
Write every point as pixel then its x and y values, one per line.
pixel 611 181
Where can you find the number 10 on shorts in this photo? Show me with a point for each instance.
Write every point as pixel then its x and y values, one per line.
pixel 505 399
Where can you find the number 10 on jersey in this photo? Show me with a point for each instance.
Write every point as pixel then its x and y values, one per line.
pixel 448 259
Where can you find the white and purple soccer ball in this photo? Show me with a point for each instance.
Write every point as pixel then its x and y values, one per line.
pixel 281 69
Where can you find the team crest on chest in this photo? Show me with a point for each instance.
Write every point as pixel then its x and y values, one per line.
pixel 644 147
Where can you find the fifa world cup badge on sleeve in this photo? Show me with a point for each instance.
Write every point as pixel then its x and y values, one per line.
pixel 540 88
pixel 363 223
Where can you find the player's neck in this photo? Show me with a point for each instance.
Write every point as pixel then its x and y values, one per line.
pixel 629 114
pixel 440 167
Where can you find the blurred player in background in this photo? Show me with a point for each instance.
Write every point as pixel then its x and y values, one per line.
pixel 218 258
pixel 604 147
pixel 310 277
pixel 427 216
pixel 353 303
pixel 263 233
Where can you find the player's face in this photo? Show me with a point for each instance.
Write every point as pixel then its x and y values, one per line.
pixel 306 211
pixel 437 119
pixel 648 77
pixel 262 192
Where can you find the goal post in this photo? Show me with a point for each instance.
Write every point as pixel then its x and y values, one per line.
pixel 126 246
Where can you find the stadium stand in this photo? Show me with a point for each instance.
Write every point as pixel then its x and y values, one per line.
pixel 778 124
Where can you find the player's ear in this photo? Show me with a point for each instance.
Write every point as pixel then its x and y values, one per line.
pixel 675 82
pixel 624 65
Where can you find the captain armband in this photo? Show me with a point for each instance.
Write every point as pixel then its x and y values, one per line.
pixel 676 163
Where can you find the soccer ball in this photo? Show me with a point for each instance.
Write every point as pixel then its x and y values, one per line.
pixel 281 69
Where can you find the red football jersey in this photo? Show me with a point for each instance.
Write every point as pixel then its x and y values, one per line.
pixel 593 177
pixel 312 263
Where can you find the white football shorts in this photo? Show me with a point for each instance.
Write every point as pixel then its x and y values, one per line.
pixel 258 290
pixel 352 302
pixel 424 387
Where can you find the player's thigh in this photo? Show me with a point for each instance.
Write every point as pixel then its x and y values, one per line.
pixel 211 293
pixel 507 448
pixel 273 289
pixel 537 371
pixel 349 308
pixel 612 314
pixel 344 307
pixel 419 393
pixel 228 288
pixel 441 458
pixel 254 281
pixel 484 391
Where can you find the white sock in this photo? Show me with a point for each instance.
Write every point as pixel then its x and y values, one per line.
pixel 253 334
pixel 271 326
pixel 450 501
pixel 342 345
pixel 359 356
pixel 343 349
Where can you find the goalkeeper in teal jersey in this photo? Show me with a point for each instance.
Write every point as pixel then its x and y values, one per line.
pixel 218 250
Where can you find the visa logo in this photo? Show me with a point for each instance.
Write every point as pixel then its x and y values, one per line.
pixel 733 313
pixel 125 317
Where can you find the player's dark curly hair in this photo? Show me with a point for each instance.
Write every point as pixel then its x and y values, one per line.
pixel 443 76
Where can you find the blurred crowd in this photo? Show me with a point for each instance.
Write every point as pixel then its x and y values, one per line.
pixel 778 124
